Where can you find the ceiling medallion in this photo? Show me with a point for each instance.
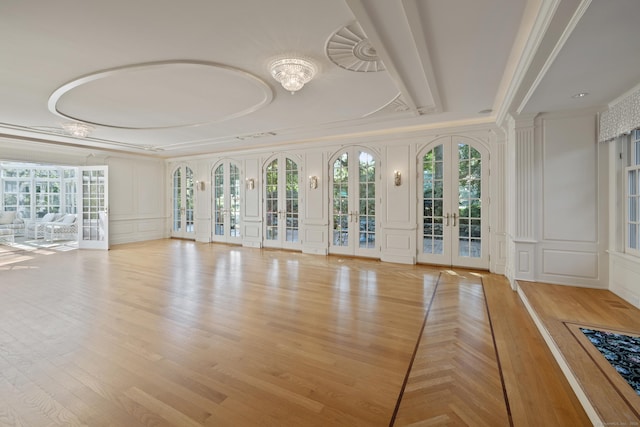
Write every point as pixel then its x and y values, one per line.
pixel 349 48
pixel 293 73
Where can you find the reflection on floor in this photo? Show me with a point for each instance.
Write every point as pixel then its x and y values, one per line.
pixel 174 332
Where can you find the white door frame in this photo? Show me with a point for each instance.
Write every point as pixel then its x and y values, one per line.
pixel 226 237
pixel 183 232
pixel 450 215
pixel 93 217
pixel 282 242
pixel 355 216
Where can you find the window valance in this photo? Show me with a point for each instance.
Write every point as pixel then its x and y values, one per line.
pixel 621 117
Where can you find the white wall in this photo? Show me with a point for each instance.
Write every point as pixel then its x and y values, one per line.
pixel 136 199
pixel 573 223
pixel 136 185
pixel 624 270
pixel 560 225
pixel 397 214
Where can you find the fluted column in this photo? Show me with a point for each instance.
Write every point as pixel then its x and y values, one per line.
pixel 522 199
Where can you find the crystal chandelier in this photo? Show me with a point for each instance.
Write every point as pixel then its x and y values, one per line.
pixel 79 130
pixel 292 73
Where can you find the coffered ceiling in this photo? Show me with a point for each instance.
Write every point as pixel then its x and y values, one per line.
pixel 182 78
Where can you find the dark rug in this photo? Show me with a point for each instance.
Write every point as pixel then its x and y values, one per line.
pixel 621 351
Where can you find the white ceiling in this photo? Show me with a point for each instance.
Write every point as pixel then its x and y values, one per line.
pixel 181 78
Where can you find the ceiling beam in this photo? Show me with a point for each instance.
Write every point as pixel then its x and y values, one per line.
pixel 395 31
pixel 552 20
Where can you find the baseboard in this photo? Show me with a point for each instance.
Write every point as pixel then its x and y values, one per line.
pixel 398 259
pixel 257 245
pixel 315 251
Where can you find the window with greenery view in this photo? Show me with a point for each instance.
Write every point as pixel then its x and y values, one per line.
pixel 34 191
pixel 632 202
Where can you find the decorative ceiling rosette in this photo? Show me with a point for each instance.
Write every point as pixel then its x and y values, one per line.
pixel 349 48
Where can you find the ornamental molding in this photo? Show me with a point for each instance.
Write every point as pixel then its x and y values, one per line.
pixel 349 48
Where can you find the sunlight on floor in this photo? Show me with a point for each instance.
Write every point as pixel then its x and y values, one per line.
pixel 21 250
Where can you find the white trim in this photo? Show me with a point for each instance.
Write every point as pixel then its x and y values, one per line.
pixel 577 16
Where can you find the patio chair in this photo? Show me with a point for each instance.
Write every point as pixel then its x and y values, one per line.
pixel 34 229
pixel 66 228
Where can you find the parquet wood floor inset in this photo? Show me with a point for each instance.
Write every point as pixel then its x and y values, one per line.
pixel 455 377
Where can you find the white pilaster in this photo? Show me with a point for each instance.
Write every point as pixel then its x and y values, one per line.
pixel 521 205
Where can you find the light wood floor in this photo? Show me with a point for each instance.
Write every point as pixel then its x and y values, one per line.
pixel 561 312
pixel 179 333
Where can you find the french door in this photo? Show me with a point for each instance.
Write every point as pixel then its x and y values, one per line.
pixel 226 203
pixel 282 203
pixel 454 208
pixel 183 203
pixel 93 207
pixel 354 204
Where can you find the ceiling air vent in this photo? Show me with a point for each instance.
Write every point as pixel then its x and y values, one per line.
pixel 255 135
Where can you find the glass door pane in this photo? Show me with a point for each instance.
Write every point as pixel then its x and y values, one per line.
pixel 454 228
pixel 234 202
pixel 271 201
pixel 340 203
pixel 183 193
pixel 470 202
pixel 291 208
pixel 354 204
pixel 281 203
pixel 433 202
pixel 225 197
pixel 367 201
pixel 189 202
pixel 177 200
pixel 633 209
pixel 93 207
pixel 218 201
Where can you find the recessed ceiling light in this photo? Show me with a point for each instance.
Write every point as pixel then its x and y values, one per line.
pixel 485 111
pixel 580 95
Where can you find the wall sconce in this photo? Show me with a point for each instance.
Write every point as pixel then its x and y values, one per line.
pixel 251 183
pixel 397 178
pixel 313 182
pixel 200 185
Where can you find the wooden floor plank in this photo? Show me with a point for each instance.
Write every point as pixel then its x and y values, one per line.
pixel 559 309
pixel 173 332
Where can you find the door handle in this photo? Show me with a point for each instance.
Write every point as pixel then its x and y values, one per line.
pixel 455 215
pixel 447 218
